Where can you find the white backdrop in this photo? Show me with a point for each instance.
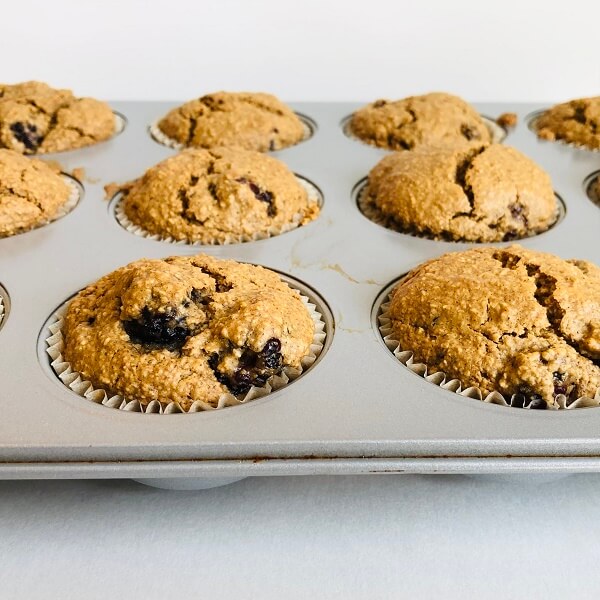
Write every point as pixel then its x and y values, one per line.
pixel 311 50
pixel 371 537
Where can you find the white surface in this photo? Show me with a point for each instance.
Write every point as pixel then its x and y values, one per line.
pixel 366 537
pixel 369 537
pixel 310 50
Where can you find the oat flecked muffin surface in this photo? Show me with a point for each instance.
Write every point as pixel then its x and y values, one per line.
pixel 35 118
pixel 254 121
pixel 219 195
pixel 184 329
pixel 435 119
pixel 504 319
pixel 31 193
pixel 575 122
pixel 485 194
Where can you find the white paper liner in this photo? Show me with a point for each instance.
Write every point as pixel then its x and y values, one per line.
pixel 160 137
pixel 75 381
pixel 314 197
pixel 1 309
pixel 372 213
pixel 531 123
pixel 440 379
pixel 120 122
pixel 497 132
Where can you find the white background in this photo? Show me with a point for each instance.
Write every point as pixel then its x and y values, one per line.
pixel 345 537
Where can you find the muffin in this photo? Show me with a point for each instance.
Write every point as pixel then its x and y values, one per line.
pixel 435 119
pixel 486 194
pixel 31 193
pixel 253 121
pixel 509 320
pixel 35 118
pixel 575 122
pixel 186 329
pixel 216 196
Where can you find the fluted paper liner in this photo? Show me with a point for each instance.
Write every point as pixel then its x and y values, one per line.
pixel 158 135
pixel 440 379
pixel 532 123
pixel 369 210
pixel 497 132
pixel 314 197
pixel 76 382
pixel 1 310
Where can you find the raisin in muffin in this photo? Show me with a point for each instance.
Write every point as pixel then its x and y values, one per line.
pixel 185 329
pixel 435 119
pixel 575 122
pixel 31 193
pixel 487 194
pixel 253 121
pixel 215 196
pixel 509 320
pixel 35 118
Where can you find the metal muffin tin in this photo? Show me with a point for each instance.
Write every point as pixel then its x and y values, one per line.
pixel 357 411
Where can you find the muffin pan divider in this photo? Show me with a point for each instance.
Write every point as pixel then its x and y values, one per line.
pixel 357 411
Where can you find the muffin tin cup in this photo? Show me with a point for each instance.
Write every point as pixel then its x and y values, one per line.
pixel 497 132
pixel 314 197
pixel 532 120
pixel 159 136
pixel 75 381
pixel 440 379
pixel 371 212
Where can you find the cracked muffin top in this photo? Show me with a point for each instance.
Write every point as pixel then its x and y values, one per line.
pixel 35 118
pixel 219 195
pixel 504 319
pixel 31 193
pixel 184 329
pixel 488 194
pixel 575 122
pixel 253 121
pixel 435 119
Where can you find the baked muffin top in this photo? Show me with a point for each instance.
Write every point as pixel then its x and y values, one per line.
pixel 435 119
pixel 486 194
pixel 218 195
pixel 254 121
pixel 504 319
pixel 575 122
pixel 35 118
pixel 31 193
pixel 184 329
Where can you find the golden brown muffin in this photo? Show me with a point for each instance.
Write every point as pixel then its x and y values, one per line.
pixel 35 118
pixel 31 193
pixel 253 121
pixel 219 195
pixel 184 329
pixel 575 122
pixel 435 119
pixel 509 320
pixel 486 194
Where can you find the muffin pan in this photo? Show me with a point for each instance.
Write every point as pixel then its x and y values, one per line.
pixel 358 410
